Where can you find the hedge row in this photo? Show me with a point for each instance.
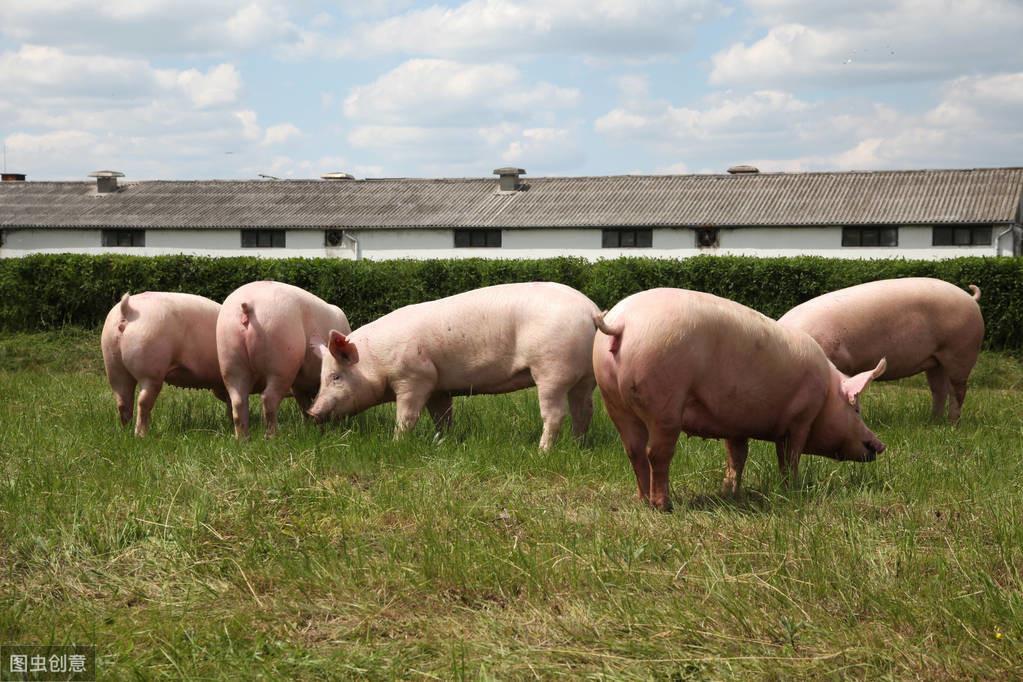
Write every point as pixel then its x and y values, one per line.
pixel 47 291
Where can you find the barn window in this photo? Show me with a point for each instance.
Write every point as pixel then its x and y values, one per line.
pixel 627 239
pixel 478 239
pixel 870 236
pixel 263 239
pixel 334 237
pixel 706 237
pixel 962 235
pixel 124 237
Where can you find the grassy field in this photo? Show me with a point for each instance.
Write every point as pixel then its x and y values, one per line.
pixel 339 553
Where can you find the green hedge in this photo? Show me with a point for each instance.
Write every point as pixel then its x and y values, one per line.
pixel 47 291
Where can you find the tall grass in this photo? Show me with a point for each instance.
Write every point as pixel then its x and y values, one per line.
pixel 340 553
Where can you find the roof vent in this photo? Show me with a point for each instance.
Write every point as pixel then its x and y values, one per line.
pixel 743 170
pixel 106 180
pixel 12 177
pixel 509 178
pixel 337 176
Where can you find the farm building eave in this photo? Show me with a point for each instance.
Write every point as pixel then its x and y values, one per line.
pixel 916 197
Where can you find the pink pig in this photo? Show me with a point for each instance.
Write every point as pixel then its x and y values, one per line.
pixel 267 336
pixel 492 340
pixel 919 324
pixel 671 360
pixel 159 337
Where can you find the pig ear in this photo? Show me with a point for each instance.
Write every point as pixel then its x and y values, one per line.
pixel 341 348
pixel 853 386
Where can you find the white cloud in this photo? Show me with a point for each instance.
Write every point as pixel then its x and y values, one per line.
pixel 724 119
pixel 275 134
pixel 219 86
pixel 479 115
pixel 544 148
pixel 151 26
pixel 442 92
pixel 471 151
pixel 251 129
pixel 527 27
pixel 288 167
pixel 872 41
pixel 973 122
pixel 41 73
pixel 67 114
pixel 279 133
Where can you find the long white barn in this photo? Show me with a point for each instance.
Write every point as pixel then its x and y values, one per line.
pixel 923 214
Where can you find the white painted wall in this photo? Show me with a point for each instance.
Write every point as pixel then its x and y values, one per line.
pixel 914 243
pixel 163 242
pixel 378 244
pixel 23 242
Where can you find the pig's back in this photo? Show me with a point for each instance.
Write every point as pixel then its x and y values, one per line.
pixel 721 367
pixel 486 335
pixel 907 321
pixel 173 330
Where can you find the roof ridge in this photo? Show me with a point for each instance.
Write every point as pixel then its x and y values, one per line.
pixel 633 176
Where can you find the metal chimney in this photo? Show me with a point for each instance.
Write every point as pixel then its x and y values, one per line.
pixel 509 178
pixel 12 177
pixel 337 176
pixel 106 180
pixel 743 170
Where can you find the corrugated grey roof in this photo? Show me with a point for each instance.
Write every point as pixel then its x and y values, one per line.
pixel 765 199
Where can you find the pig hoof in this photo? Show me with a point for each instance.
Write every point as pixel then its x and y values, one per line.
pixel 730 491
pixel 664 506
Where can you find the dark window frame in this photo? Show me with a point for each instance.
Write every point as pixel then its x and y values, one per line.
pixel 707 237
pixel 263 238
pixel 627 238
pixel 958 236
pixel 879 237
pixel 490 238
pixel 123 238
pixel 328 235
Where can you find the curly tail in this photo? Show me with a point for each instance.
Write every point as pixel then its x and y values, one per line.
pixel 612 330
pixel 124 303
pixel 976 292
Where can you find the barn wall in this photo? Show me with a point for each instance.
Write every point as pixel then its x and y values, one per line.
pixel 377 244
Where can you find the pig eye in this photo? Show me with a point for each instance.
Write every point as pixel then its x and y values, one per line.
pixel 335 378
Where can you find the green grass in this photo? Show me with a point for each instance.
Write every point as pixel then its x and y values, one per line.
pixel 339 553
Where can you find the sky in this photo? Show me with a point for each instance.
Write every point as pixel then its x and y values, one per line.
pixel 203 89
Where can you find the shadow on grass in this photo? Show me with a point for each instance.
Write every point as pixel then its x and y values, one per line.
pixel 747 502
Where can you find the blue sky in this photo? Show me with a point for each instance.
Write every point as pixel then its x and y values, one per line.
pixel 182 89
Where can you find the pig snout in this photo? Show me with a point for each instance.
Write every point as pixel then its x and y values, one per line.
pixel 874 448
pixel 316 414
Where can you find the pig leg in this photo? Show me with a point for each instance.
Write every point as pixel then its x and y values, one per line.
pixel 147 398
pixel 553 408
pixel 221 395
pixel 738 449
pixel 955 403
pixel 634 438
pixel 239 392
pixel 275 391
pixel 123 386
pixel 660 450
pixel 580 404
pixel 410 406
pixel 789 449
pixel 305 401
pixel 937 379
pixel 440 408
